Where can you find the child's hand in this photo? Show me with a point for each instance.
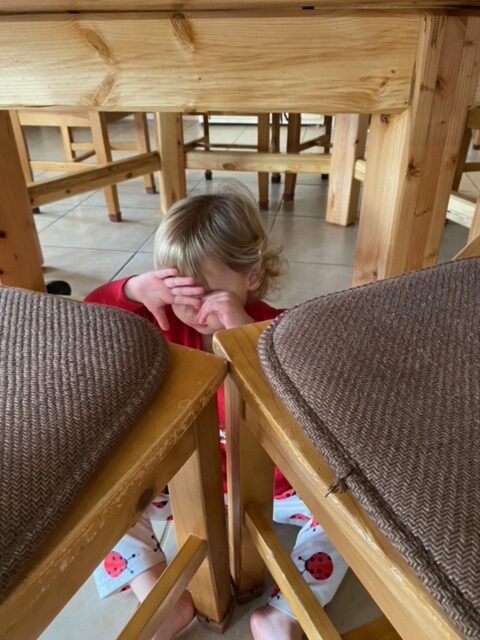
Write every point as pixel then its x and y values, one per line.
pixel 155 289
pixel 227 307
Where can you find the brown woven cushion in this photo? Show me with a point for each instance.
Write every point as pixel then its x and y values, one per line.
pixel 73 378
pixel 385 380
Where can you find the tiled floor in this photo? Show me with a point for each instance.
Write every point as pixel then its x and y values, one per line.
pixel 82 246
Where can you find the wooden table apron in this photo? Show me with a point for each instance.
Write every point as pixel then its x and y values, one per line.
pixel 413 64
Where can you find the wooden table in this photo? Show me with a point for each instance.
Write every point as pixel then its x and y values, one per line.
pixel 413 64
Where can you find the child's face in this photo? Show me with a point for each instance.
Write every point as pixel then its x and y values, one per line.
pixel 217 277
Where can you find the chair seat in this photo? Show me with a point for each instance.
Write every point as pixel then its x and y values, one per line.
pixel 73 378
pixel 385 381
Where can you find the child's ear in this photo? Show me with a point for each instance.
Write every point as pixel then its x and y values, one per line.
pixel 254 280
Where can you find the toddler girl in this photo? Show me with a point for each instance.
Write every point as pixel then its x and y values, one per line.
pixel 214 265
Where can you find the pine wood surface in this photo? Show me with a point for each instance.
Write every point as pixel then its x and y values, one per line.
pixel 39 6
pixel 147 458
pixel 392 584
pixel 319 63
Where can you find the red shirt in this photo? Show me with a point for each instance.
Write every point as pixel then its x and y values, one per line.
pixel 179 333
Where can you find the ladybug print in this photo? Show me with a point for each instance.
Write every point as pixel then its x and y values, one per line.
pixel 319 565
pixel 115 564
pixel 156 543
pixel 299 516
pixel 314 524
pixel 286 494
pixel 275 593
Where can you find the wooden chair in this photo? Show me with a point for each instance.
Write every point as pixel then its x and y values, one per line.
pixel 262 432
pixel 263 144
pixel 175 442
pixel 76 152
pixel 295 146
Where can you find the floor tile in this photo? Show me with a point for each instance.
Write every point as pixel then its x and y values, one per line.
pixel 474 177
pixel 139 263
pixel 83 269
pixel 50 213
pixel 129 198
pixel 454 238
pixel 310 200
pixel 89 228
pixel 303 281
pixel 307 239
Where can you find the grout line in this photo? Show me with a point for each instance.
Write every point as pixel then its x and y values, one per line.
pixel 474 184
pixel 60 246
pixel 123 267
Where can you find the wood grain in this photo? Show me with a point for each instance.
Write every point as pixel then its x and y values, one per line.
pixel 412 155
pixel 317 63
pixel 150 454
pixel 89 179
pixel 20 255
pixel 39 6
pixel 392 584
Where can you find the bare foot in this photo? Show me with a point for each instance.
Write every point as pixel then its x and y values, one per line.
pixel 267 623
pixel 181 613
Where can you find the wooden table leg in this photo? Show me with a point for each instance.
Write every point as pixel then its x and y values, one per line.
pixel 249 480
pixel 263 143
pixel 20 255
pixel 293 143
pixel 101 144
pixel 172 156
pixel 349 138
pixel 412 155
pixel 198 508
pixel 143 146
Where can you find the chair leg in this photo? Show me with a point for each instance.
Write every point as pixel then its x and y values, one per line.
pixel 293 143
pixel 328 120
pixel 22 149
pixel 275 143
pixel 67 139
pixel 350 136
pixel 206 135
pixel 263 135
pixel 476 141
pixel 198 508
pixel 20 254
pixel 143 146
pixel 103 152
pixel 249 481
pixel 169 127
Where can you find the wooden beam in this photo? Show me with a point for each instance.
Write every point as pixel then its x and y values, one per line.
pixel 307 609
pixel 459 209
pixel 411 156
pixel 472 166
pixel 53 165
pixel 473 118
pixel 47 191
pixel 20 255
pixel 170 586
pixel 173 186
pixel 349 138
pixel 61 6
pixel 332 64
pixel 253 161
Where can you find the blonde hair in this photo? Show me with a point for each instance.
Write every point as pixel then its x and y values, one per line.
pixel 224 227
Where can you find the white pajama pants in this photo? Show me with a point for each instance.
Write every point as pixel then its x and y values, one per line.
pixel 315 556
